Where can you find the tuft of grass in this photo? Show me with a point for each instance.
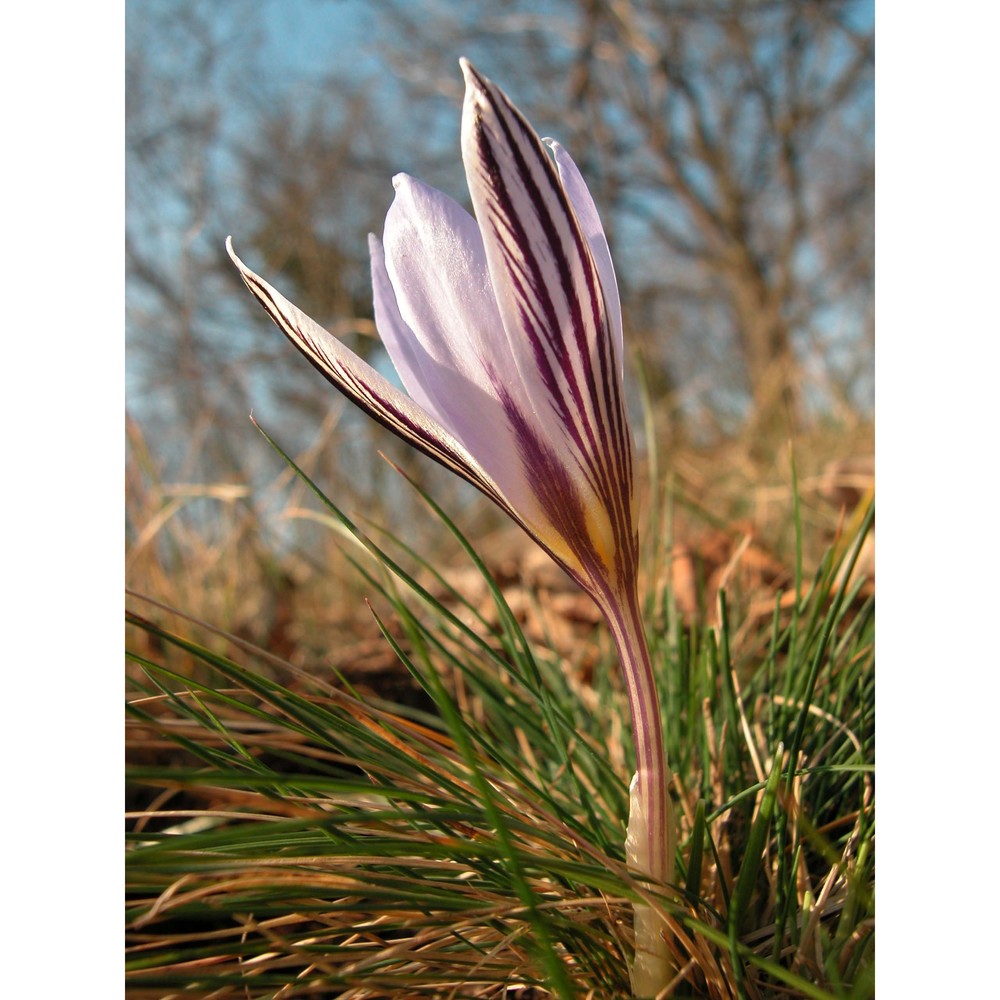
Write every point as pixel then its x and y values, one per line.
pixel 294 836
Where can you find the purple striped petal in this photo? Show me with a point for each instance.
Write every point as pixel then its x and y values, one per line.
pixel 555 315
pixel 590 222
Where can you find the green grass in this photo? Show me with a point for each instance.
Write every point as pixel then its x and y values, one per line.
pixel 291 836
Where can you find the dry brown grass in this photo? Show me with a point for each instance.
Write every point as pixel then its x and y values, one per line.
pixel 252 560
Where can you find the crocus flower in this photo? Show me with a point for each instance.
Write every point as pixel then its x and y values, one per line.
pixel 506 332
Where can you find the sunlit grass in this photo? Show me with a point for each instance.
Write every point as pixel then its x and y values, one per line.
pixel 294 835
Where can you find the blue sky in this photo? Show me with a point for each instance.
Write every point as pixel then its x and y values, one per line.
pixel 310 37
pixel 299 43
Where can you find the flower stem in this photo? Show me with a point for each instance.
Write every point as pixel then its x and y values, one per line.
pixel 650 842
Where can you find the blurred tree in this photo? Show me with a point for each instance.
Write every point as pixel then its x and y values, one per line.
pixel 730 147
pixel 185 368
pixel 728 144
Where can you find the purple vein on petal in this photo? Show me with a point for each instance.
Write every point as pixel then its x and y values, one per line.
pixel 604 566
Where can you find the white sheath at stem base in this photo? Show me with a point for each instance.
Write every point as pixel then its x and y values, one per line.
pixel 653 967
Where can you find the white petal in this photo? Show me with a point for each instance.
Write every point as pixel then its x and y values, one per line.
pixel 436 264
pixel 400 342
pixel 443 330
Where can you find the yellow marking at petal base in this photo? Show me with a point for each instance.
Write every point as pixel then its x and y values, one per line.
pixel 556 544
pixel 598 533
pixel 601 535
